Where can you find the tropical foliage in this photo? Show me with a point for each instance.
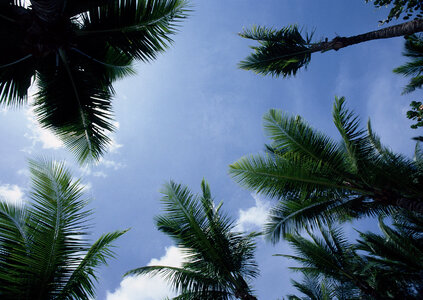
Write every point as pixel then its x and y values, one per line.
pixel 44 249
pixel 398 7
pixel 219 262
pixel 413 68
pixel 283 52
pixel 384 266
pixel 74 51
pixel 317 179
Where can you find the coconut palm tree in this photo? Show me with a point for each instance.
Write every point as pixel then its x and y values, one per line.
pixel 44 250
pixel 317 179
pixel 219 262
pixel 74 50
pixel 283 52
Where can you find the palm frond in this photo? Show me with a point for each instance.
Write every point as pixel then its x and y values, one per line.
pixel 42 243
pixel 218 261
pixel 80 284
pixel 75 104
pixel 281 177
pixel 280 53
pixel 294 135
pixel 414 68
pixel 17 66
pixel 138 28
pixel 309 210
pixel 354 138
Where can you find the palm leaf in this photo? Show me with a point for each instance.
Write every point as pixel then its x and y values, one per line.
pixel 138 28
pixel 281 52
pixel 76 104
pixel 80 283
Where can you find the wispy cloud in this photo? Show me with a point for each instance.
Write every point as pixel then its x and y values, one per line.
pixel 11 193
pixel 145 287
pixel 110 164
pixel 39 135
pixel 254 217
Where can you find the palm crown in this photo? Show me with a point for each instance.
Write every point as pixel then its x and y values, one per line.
pixel 75 50
pixel 44 250
pixel 283 52
pixel 218 261
pixel 317 179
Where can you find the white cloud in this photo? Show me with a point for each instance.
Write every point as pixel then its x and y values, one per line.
pixel 114 146
pixel 253 217
pixel 37 134
pixel 11 193
pixel 99 174
pixel 110 164
pixel 145 287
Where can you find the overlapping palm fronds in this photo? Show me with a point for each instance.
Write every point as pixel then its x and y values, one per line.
pixel 219 263
pixel 44 250
pixel 317 179
pixel 74 51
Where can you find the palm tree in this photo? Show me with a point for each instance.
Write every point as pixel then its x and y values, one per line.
pixel 317 179
pixel 44 250
pixel 283 52
pixel 74 51
pixel 218 261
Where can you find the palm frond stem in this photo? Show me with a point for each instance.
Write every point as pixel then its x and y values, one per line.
pixel 16 61
pixel 7 18
pixel 62 55
pixel 96 60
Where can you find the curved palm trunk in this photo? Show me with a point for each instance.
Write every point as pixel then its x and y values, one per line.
pixel 385 33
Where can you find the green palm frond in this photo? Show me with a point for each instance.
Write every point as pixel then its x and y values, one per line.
pixel 138 28
pixel 355 141
pixel 413 68
pixel 281 52
pixel 218 262
pixel 74 50
pixel 315 178
pixel 42 242
pixel 76 105
pixel 296 136
pixel 80 284
pixel 309 210
pixel 331 257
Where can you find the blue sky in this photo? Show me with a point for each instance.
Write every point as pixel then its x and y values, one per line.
pixel 191 113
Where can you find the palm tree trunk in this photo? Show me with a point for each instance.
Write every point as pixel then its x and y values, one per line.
pixel 385 33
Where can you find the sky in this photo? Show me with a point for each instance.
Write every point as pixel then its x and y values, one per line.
pixel 190 113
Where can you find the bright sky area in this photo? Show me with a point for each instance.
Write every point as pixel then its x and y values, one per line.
pixel 192 112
